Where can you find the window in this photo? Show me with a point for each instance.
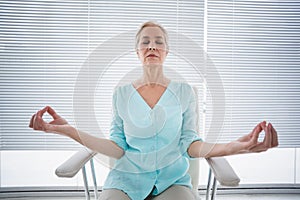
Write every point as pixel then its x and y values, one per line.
pixel 45 45
pixel 255 47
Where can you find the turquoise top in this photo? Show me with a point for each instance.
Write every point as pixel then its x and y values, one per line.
pixel 155 140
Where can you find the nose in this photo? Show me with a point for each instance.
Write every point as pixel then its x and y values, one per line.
pixel 152 48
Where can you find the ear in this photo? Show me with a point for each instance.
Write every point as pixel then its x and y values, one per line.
pixel 137 53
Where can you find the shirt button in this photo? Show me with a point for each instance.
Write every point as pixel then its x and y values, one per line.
pixel 152 148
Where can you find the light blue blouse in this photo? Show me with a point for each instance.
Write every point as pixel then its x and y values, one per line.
pixel 155 140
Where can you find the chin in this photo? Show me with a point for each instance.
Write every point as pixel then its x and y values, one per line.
pixel 153 64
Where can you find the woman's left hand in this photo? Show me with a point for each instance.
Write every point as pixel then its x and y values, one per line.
pixel 249 143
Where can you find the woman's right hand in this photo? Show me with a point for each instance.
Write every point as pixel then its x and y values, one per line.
pixel 57 125
pixel 60 125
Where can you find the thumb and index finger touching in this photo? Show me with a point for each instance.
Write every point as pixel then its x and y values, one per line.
pixel 257 130
pixel 270 138
pixel 52 112
pixel 39 115
pixel 49 110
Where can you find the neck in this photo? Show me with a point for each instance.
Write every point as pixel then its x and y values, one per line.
pixel 152 75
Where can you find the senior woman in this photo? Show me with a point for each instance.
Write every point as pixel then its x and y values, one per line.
pixel 153 130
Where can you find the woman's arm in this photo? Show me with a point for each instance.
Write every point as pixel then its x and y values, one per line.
pixel 60 126
pixel 246 144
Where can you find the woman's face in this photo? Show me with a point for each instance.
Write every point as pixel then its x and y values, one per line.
pixel 152 47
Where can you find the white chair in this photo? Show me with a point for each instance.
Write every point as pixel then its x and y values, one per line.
pixel 219 171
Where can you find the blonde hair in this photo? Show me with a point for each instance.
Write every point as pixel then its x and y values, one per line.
pixel 151 24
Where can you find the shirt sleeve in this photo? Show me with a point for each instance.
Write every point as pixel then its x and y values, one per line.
pixel 116 129
pixel 189 132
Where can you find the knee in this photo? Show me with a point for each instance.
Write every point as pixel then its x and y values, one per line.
pixel 113 194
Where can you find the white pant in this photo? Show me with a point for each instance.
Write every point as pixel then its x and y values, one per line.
pixel 175 192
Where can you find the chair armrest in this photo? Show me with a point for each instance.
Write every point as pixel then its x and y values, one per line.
pixel 71 167
pixel 223 172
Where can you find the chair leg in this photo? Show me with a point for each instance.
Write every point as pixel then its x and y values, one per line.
pixel 208 185
pixel 86 186
pixel 94 178
pixel 214 189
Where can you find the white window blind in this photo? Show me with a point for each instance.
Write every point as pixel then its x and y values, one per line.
pixel 45 45
pixel 255 46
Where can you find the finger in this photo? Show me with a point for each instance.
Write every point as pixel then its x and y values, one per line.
pixel 274 136
pixel 271 135
pixel 52 112
pixel 256 146
pixel 256 131
pixel 35 122
pixel 31 121
pixel 252 142
pixel 38 122
pixel 263 124
pixel 268 137
pixel 40 113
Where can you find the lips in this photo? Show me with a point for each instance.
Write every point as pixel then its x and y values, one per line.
pixel 152 55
